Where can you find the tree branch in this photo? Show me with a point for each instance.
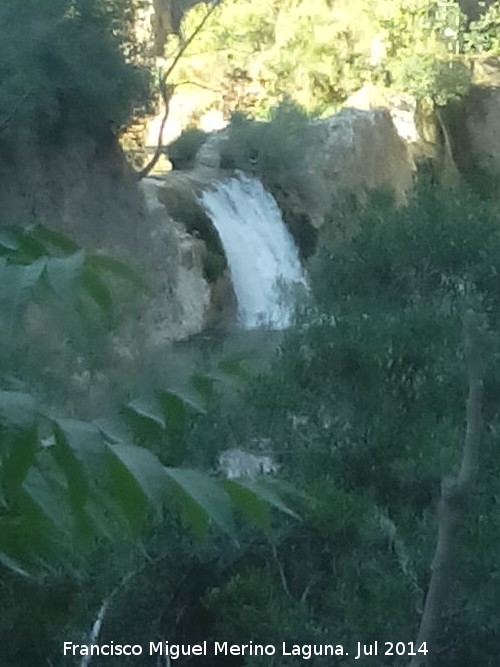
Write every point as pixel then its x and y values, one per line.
pixel 454 493
pixel 167 90
pixel 192 36
pixel 101 615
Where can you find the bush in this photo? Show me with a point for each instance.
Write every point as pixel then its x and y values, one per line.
pixel 273 150
pixel 85 506
pixel 182 152
pixel 61 67
pixel 433 247
pixel 364 408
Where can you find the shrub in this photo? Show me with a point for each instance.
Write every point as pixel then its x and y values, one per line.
pixel 84 504
pixel 182 152
pixel 62 66
pixel 273 150
pixel 364 409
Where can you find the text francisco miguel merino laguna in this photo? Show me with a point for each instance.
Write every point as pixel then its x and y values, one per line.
pixel 304 651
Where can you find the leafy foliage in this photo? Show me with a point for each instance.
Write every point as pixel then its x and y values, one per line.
pixel 273 150
pixel 74 491
pixel 364 409
pixel 182 151
pixel 37 259
pixel 73 476
pixel 482 36
pixel 62 67
pixel 253 54
pixel 264 50
pixel 80 481
pixel 424 46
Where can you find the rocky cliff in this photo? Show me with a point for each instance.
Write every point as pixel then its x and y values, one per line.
pixel 83 185
pixel 361 150
pixel 352 151
pixel 474 127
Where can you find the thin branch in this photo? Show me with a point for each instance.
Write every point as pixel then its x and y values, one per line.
pixel 167 93
pixel 281 572
pixel 191 37
pixel 96 629
pixel 167 90
pixel 468 470
pixel 454 493
pixel 198 85
pixel 103 610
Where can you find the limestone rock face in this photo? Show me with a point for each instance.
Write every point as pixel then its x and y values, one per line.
pixel 359 150
pixel 353 151
pixel 480 141
pixel 180 306
pixel 401 106
pixel 417 123
pixel 84 188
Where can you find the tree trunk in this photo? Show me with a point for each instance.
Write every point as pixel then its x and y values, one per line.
pixel 454 494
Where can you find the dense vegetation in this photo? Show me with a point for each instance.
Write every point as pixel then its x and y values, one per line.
pixel 365 408
pixel 318 52
pixel 367 442
pixel 62 66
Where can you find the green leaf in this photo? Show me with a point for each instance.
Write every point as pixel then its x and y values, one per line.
pixel 65 275
pixel 174 408
pixel 98 292
pixel 82 456
pixel 232 366
pixel 8 240
pixel 17 411
pixel 202 499
pixel 31 247
pixel 50 236
pixel 249 503
pixel 117 268
pixel 17 282
pixel 265 490
pixel 148 410
pixel 126 497
pixel 113 430
pixel 204 385
pixel 175 403
pixel 49 496
pixel 146 471
pixel 18 438
pixel 12 565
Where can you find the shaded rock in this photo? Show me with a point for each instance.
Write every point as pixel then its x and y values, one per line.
pixel 482 128
pixel 236 463
pixel 79 183
pixel 486 71
pixel 82 185
pixel 474 125
pixel 223 306
pixel 401 106
pixel 360 150
pixel 420 126
pixel 179 194
pixel 180 305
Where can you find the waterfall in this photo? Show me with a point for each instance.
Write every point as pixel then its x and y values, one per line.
pixel 262 257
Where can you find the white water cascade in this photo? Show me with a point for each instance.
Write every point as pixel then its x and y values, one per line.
pixel 262 257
